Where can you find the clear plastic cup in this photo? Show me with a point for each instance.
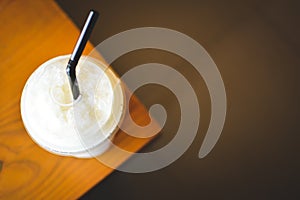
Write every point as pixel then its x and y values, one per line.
pixel 82 128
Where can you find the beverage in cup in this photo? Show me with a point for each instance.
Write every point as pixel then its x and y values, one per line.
pixel 61 125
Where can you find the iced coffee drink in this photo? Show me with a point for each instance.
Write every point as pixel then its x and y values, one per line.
pixel 82 127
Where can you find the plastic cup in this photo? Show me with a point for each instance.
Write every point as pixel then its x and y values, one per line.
pixel 82 128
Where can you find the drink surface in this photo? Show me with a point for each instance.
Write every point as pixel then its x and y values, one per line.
pixel 62 126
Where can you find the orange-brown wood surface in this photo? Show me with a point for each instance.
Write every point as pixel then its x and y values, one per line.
pixel 32 32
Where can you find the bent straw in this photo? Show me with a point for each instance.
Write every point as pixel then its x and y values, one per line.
pixel 78 49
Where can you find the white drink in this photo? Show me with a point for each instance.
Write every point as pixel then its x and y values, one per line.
pixel 81 128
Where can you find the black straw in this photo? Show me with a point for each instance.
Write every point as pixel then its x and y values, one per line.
pixel 78 49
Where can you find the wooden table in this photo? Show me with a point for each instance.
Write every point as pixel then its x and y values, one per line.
pixel 31 33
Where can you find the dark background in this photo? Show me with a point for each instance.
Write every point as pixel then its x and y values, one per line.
pixel 255 45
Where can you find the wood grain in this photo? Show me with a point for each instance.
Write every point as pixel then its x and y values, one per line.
pixel 31 33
